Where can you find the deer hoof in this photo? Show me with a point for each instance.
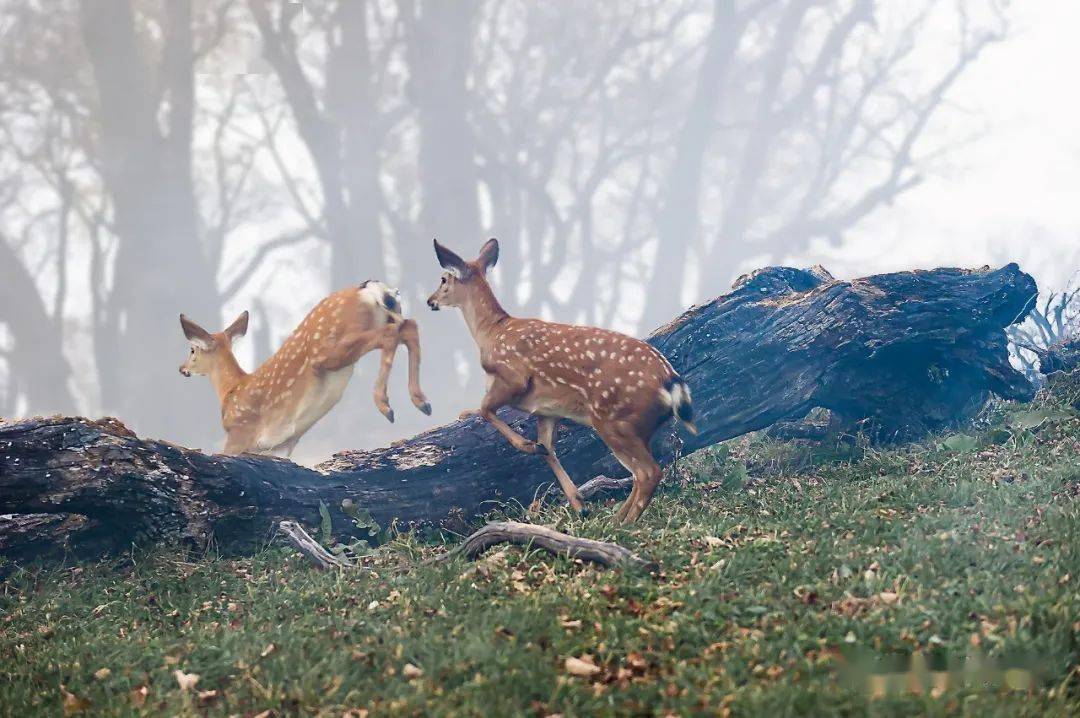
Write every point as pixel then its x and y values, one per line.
pixel 389 415
pixel 425 408
pixel 540 450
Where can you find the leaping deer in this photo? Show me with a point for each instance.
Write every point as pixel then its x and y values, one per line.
pixel 269 409
pixel 620 386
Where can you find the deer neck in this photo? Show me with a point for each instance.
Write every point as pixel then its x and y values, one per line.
pixel 482 311
pixel 226 374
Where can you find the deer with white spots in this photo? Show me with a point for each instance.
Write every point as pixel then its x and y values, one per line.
pixel 269 409
pixel 620 386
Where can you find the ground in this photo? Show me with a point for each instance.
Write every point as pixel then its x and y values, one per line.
pixel 929 579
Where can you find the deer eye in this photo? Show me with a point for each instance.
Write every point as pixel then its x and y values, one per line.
pixel 444 280
pixel 193 350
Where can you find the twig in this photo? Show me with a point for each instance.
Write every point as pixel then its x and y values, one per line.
pixel 552 541
pixel 311 548
pixel 593 487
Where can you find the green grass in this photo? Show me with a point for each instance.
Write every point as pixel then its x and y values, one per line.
pixel 787 575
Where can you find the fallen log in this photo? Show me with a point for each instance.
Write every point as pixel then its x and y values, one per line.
pixel 896 354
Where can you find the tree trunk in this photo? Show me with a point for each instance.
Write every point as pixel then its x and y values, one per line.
pixel 36 361
pixel 439 36
pixel 161 268
pixel 905 353
pixel 678 223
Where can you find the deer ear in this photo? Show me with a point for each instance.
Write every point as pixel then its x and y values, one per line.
pixel 196 334
pixel 449 260
pixel 489 254
pixel 239 327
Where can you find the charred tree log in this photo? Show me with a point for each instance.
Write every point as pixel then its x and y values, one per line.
pixel 901 353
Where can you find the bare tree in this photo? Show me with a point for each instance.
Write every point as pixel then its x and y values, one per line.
pixel 1051 321
pixel 815 133
pixel 629 155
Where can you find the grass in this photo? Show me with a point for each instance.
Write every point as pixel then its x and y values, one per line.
pixel 794 580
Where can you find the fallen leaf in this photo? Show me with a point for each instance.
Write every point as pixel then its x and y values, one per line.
pixel 72 704
pixel 186 681
pixel 270 648
pixel 888 597
pixel 138 696
pixel 207 696
pixel 410 671
pixel 712 541
pixel 567 623
pixel 580 667
pixel 102 673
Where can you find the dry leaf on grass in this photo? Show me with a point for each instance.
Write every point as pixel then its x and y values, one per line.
pixel 72 704
pixel 581 667
pixel 186 681
pixel 138 696
pixel 410 671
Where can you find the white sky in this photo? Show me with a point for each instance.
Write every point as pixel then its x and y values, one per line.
pixel 1012 194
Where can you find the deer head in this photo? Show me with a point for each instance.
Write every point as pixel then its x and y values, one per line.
pixel 462 278
pixel 210 353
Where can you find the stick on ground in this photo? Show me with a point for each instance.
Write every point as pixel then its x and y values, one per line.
pixel 555 542
pixel 311 548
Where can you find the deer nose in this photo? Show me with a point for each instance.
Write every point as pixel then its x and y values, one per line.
pixel 184 371
pixel 433 304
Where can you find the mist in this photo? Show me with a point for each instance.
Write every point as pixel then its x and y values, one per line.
pixel 211 157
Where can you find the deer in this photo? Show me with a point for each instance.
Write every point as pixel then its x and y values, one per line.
pixel 268 410
pixel 620 386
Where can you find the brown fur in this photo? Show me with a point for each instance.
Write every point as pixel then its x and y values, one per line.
pixel 273 406
pixel 612 382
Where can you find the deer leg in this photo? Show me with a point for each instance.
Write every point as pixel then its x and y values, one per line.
pixel 389 341
pixel 287 447
pixel 633 452
pixel 500 393
pixel 410 336
pixel 546 428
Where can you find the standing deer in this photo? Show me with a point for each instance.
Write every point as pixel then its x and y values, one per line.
pixel 271 408
pixel 620 386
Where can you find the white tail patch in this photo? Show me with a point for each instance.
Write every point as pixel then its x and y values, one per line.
pixel 680 394
pixel 677 398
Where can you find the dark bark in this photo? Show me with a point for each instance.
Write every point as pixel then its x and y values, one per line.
pixel 903 353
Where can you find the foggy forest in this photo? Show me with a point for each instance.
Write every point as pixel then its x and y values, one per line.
pixel 210 157
pixel 517 358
